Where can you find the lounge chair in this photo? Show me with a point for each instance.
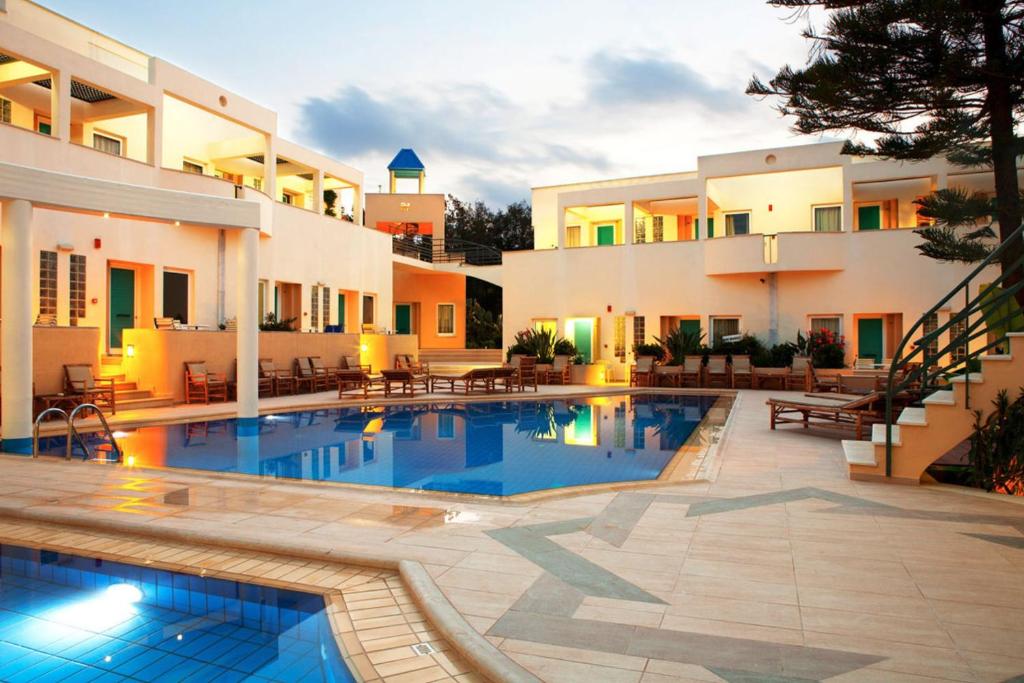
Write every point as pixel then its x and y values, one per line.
pixel 641 374
pixel 474 380
pixel 799 377
pixel 79 381
pixel 204 386
pixel 406 361
pixel 360 381
pixel 742 372
pixel 858 384
pixel 281 380
pixel 406 380
pixel 692 371
pixel 305 377
pixel 352 363
pixel 857 414
pixel 325 376
pixel 264 382
pixel 717 371
pixel 506 378
pixel 560 372
pixel 526 373
pixel 820 383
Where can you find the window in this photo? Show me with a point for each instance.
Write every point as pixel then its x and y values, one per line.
pixel 737 223
pixel 445 320
pixel 5 110
pixel 47 283
pixel 192 167
pixel 658 223
pixel 314 307
pixel 620 338
pixel 930 323
pixel 639 230
pixel 572 236
pixel 327 306
pixel 828 218
pixel 723 327
pixel 44 125
pixel 257 184
pixel 105 143
pixel 368 308
pixel 261 300
pixel 832 323
pixel 639 334
pixel 445 426
pixel 958 340
pixel 76 296
pixel 176 295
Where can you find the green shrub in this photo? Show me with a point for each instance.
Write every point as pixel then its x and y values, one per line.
pixel 826 348
pixel 272 324
pixel 564 347
pixel 680 343
pixel 656 350
pixel 778 356
pixel 997 447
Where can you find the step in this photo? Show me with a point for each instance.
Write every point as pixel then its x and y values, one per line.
pixel 1003 357
pixel 132 394
pixel 859 453
pixel 110 360
pixel 913 416
pixel 125 386
pixel 878 435
pixel 941 398
pixel 975 377
pixel 151 402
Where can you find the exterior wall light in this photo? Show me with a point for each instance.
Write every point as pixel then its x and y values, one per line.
pixel 129 350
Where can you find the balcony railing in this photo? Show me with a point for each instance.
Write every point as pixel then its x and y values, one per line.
pixel 445 250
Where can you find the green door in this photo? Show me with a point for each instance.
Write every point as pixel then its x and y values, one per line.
pixel 690 326
pixel 122 303
pixel 341 312
pixel 605 234
pixel 710 230
pixel 582 337
pixel 869 338
pixel 403 319
pixel 869 217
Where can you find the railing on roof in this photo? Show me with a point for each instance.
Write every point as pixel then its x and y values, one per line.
pixel 445 250
pixel 922 366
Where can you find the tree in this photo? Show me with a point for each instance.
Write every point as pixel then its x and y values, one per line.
pixel 507 229
pixel 925 78
pixel 330 198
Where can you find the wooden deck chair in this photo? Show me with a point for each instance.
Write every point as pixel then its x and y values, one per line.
pixel 856 414
pixel 326 376
pixel 560 372
pixel 79 381
pixel 641 374
pixel 305 378
pixel 742 372
pixel 406 380
pixel 527 372
pixel 799 377
pixel 203 386
pixel 477 379
pixel 717 372
pixel 692 371
pixel 282 380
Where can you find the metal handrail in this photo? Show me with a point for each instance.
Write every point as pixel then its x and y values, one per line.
pixel 103 421
pixel 445 250
pixel 921 368
pixel 37 424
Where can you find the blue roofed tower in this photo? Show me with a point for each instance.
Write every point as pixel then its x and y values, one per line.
pixel 406 165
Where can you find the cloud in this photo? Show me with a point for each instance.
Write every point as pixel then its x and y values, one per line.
pixel 649 79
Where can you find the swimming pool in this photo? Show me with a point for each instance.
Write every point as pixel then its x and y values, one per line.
pixel 497 448
pixel 70 618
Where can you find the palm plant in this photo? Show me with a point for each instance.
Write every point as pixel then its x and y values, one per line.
pixel 681 343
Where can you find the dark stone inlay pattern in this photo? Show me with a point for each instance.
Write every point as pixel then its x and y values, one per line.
pixel 1009 541
pixel 616 521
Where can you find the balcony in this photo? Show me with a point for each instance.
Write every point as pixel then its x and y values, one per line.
pixel 788 251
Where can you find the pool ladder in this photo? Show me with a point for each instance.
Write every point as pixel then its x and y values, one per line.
pixel 73 433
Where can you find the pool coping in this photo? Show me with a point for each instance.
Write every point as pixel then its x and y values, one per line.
pixel 489 661
pixel 664 478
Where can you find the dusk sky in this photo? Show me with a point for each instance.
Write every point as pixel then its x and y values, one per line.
pixel 494 97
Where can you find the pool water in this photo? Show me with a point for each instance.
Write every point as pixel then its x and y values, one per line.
pixel 497 448
pixel 70 618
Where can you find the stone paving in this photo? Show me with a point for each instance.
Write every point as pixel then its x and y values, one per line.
pixel 778 568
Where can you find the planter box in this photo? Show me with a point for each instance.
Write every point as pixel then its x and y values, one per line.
pixel 592 373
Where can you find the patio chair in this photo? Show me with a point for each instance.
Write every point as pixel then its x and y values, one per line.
pixel 204 386
pixel 742 371
pixel 305 377
pixel 858 384
pixel 79 381
pixel 264 382
pixel 360 381
pixel 407 381
pixel 405 360
pixel 474 380
pixel 822 383
pixel 280 379
pixel 692 371
pixel 527 372
pixel 717 371
pixel 799 377
pixel 641 374
pixel 352 363
pixel 326 376
pixel 856 414
pixel 560 372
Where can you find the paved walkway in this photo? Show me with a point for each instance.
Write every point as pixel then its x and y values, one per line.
pixel 780 568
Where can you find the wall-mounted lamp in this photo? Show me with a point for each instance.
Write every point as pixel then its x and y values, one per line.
pixel 65 246
pixel 129 351
pixel 364 348
pixel 106 215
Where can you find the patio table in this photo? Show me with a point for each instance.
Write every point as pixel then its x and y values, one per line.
pixel 776 375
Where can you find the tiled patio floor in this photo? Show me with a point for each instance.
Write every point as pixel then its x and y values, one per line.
pixel 780 568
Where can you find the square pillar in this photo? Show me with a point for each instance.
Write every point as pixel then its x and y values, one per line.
pixel 702 212
pixel 270 168
pixel 155 136
pixel 60 105
pixel 318 191
pixel 847 224
pixel 16 331
pixel 247 336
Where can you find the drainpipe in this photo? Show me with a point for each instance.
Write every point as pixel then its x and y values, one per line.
pixel 221 246
pixel 772 279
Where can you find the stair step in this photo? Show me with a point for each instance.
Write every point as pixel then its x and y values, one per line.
pixel 975 377
pixel 878 435
pixel 859 453
pixel 913 416
pixel 150 402
pixel 132 394
pixel 110 360
pixel 1004 357
pixel 942 398
pixel 125 386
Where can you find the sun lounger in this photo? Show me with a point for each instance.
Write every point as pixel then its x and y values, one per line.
pixel 505 378
pixel 820 382
pixel 359 382
pixel 406 380
pixel 856 414
pixel 474 380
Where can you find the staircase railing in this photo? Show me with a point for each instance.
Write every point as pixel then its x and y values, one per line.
pixel 445 250
pixel 922 362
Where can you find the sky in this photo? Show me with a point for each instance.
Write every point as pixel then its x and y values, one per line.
pixel 495 97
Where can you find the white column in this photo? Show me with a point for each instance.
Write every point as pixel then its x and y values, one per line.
pixel 318 191
pixel 155 135
pixel 248 329
pixel 60 106
pixel 847 204
pixel 16 331
pixel 702 211
pixel 270 168
pixel 357 207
